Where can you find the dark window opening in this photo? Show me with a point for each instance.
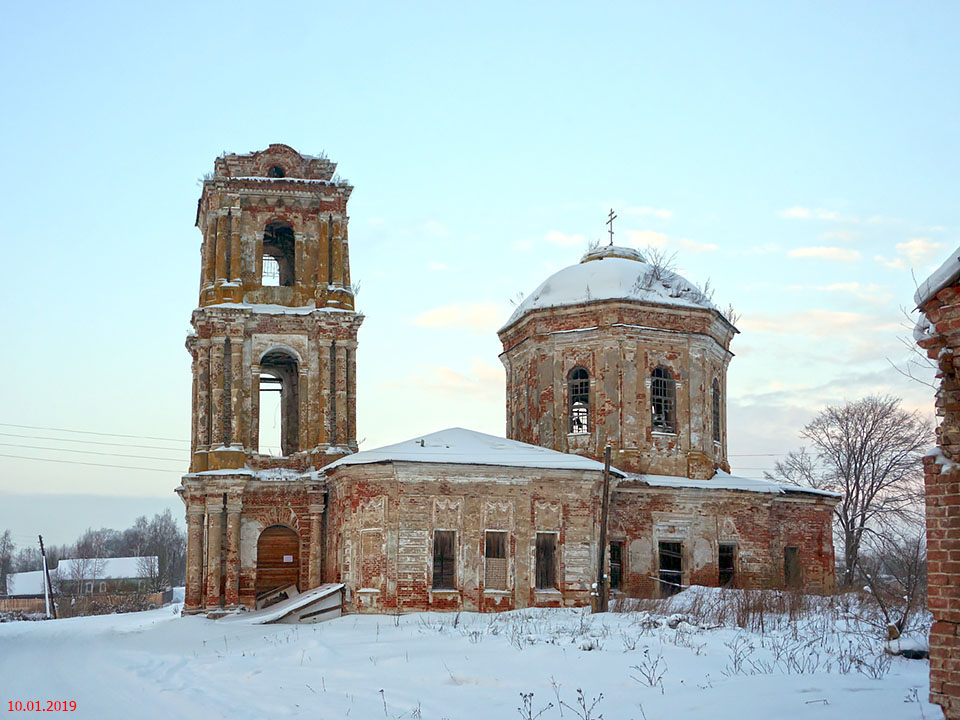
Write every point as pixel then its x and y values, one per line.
pixel 716 410
pixel 791 567
pixel 495 561
pixel 663 400
pixel 546 569
pixel 671 568
pixel 579 400
pixel 616 565
pixel 279 404
pixel 279 243
pixel 444 563
pixel 726 565
pixel 276 172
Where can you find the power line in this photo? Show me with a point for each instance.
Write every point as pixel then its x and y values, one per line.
pixel 92 442
pixel 91 432
pixel 77 462
pixel 90 452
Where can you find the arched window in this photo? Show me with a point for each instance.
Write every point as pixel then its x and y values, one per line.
pixel 279 375
pixel 276 172
pixel 716 410
pixel 663 400
pixel 279 245
pixel 579 400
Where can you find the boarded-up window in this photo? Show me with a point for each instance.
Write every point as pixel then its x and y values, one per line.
pixel 671 567
pixel 791 566
pixel 495 561
pixel 616 565
pixel 546 561
pixel 444 563
pixel 371 560
pixel 726 565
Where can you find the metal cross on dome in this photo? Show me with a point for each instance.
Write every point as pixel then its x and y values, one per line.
pixel 612 217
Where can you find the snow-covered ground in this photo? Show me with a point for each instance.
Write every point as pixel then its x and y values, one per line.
pixel 462 666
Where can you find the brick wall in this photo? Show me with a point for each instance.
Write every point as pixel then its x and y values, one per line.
pixel 942 481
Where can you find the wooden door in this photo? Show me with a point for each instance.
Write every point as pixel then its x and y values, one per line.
pixel 278 559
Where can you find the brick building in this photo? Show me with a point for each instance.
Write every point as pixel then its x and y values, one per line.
pixel 612 350
pixel 938 333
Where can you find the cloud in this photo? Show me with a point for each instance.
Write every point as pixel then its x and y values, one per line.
pixel 816 323
pixel 479 317
pixel 652 238
pixel 918 249
pixel 436 266
pixel 798 212
pixel 661 213
pixel 481 380
pixel 893 264
pixel 696 248
pixel 843 235
pixel 434 228
pixel 562 239
pixel 825 253
pixel 871 293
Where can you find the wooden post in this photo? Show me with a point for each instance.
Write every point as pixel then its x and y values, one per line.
pixel 602 587
pixel 48 590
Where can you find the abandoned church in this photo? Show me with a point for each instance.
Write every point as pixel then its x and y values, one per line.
pixel 611 350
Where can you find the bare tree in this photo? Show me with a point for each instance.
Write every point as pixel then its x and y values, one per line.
pixel 894 567
pixel 871 452
pixel 7 548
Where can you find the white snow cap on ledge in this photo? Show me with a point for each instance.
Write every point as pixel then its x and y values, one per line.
pixel 468 447
pixel 943 276
pixel 612 273
pixel 724 481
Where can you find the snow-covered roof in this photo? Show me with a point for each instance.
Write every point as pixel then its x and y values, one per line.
pixel 31 583
pixel 724 481
pixel 468 447
pixel 612 273
pixel 25 583
pixel 945 275
pixel 106 568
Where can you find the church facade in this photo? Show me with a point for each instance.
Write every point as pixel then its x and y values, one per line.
pixel 612 350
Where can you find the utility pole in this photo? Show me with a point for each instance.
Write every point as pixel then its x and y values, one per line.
pixel 602 592
pixel 47 587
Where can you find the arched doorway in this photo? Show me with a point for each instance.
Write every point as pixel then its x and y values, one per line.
pixel 278 560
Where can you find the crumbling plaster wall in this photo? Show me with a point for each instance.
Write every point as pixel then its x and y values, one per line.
pixel 381 520
pixel 620 344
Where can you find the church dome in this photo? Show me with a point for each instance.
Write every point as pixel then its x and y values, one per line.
pixel 612 273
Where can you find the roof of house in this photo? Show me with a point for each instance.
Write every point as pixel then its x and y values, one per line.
pixel 612 273
pixel 468 447
pixel 31 583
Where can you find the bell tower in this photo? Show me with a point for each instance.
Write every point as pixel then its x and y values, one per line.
pixel 276 312
pixel 275 315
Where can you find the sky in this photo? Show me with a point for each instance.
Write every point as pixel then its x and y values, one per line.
pixel 799 156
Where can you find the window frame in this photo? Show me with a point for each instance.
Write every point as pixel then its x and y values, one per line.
pixel 663 393
pixel 717 422
pixel 618 573
pixel 731 571
pixel 437 580
pixel 671 579
pixel 553 576
pixel 505 548
pixel 578 401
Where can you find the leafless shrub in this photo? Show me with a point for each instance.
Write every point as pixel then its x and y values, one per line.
pixel 650 670
pixel 584 711
pixel 526 707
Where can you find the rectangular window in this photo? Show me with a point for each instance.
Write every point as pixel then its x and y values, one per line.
pixel 671 567
pixel 616 565
pixel 546 561
pixel 791 566
pixel 725 565
pixel 444 563
pixel 495 561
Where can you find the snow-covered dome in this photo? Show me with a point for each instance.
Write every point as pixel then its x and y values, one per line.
pixel 612 273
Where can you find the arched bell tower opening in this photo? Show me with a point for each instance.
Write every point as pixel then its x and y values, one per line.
pixel 279 374
pixel 279 256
